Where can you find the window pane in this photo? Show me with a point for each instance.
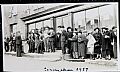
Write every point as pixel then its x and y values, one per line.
pixel 79 20
pixel 66 22
pixel 58 21
pixel 31 27
pixel 107 16
pixel 39 25
pixel 92 19
pixel 48 23
pixel 14 28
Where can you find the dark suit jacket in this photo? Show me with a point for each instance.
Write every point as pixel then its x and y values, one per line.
pixel 18 40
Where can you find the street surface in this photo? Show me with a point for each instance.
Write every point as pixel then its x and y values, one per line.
pixel 29 64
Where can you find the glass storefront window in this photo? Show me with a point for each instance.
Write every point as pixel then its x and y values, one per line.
pixel 79 20
pixel 39 25
pixel 107 16
pixel 66 22
pixel 58 21
pixel 48 23
pixel 92 19
pixel 31 27
pixel 63 21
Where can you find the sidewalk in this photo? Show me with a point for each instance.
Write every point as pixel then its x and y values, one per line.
pixel 56 56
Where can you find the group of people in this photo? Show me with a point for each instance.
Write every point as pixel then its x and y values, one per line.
pixel 14 43
pixel 99 43
pixel 42 40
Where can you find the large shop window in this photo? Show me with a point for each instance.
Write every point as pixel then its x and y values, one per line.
pixel 63 21
pixel 39 25
pixel 79 20
pixel 92 19
pixel 48 22
pixel 107 16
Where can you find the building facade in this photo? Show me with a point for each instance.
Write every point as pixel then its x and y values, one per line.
pixel 25 18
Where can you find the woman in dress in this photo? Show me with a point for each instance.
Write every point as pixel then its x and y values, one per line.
pixel 98 37
pixel 81 45
pixel 90 45
pixel 74 47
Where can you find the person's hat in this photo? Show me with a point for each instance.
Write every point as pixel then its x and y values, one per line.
pixel 59 26
pixel 114 27
pixel 62 26
pixel 105 28
pixel 51 28
pixel 97 28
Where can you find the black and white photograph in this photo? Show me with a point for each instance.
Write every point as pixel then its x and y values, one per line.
pixel 61 37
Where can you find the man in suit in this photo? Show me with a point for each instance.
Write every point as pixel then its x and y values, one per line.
pixel 18 44
pixel 58 36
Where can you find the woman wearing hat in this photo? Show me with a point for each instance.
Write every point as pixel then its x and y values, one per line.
pixel 106 43
pixel 70 35
pixel 97 46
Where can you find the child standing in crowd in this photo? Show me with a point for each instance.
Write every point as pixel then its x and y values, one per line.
pixel 90 45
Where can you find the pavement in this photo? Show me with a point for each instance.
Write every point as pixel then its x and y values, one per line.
pixel 58 56
pixel 54 56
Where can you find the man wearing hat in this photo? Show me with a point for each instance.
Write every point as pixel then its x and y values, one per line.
pixel 106 43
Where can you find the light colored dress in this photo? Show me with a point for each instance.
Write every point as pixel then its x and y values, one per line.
pixel 90 44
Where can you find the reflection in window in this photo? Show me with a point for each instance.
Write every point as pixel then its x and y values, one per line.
pixel 79 20
pixel 106 16
pixel 92 19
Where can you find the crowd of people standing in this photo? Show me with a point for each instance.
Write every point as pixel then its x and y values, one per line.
pixel 99 43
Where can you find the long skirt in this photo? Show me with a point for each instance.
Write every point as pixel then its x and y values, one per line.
pixel 90 50
pixel 74 49
pixel 81 49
